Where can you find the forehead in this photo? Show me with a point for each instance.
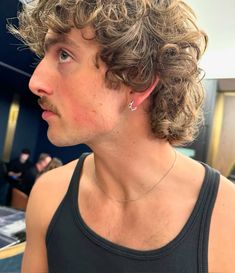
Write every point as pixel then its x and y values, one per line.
pixel 75 38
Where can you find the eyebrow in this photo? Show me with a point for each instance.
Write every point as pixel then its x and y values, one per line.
pixel 60 38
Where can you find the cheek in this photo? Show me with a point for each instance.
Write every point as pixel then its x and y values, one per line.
pixel 84 117
pixel 85 108
pixel 99 119
pixel 82 108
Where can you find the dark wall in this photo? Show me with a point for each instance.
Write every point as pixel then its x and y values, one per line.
pixel 27 128
pixel 27 124
pixel 5 101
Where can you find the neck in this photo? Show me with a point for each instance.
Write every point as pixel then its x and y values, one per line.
pixel 130 160
pixel 129 170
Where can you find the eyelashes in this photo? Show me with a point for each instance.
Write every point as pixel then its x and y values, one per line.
pixel 63 56
pixel 60 54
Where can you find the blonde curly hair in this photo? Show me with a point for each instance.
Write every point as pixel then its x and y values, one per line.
pixel 139 40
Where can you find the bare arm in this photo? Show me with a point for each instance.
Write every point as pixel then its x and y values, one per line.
pixel 35 259
pixel 14 174
pixel 222 231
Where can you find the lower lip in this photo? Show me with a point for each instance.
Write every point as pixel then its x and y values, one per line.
pixel 47 114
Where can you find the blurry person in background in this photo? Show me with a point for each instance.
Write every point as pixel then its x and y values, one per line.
pixel 18 166
pixel 29 177
pixel 54 163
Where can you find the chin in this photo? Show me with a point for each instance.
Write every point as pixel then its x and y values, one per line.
pixel 56 140
pixel 60 140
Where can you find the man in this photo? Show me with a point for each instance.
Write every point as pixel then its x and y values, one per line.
pixel 29 177
pixel 122 77
pixel 18 166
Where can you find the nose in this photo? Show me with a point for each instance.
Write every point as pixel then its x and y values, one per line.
pixel 41 81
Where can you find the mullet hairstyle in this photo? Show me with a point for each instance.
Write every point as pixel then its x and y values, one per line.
pixel 139 40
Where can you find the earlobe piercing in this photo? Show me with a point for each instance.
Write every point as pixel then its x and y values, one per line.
pixel 130 106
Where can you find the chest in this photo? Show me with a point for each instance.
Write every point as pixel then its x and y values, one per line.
pixel 136 228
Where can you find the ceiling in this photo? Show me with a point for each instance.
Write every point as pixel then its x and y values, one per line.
pixel 16 65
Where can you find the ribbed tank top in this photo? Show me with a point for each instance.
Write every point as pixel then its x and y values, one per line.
pixel 73 247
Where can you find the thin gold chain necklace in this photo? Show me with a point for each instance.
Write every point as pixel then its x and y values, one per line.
pixel 147 192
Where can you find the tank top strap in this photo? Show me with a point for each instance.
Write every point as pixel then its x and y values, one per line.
pixel 70 195
pixel 212 179
pixel 74 183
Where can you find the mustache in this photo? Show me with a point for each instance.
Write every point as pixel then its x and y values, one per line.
pixel 45 103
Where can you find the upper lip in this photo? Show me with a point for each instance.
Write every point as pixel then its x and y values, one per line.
pixel 45 108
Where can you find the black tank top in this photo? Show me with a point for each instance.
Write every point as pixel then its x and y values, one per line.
pixel 72 247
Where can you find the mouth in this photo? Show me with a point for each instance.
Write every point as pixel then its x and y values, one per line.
pixel 47 111
pixel 47 114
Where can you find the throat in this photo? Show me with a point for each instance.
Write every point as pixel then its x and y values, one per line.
pixel 132 185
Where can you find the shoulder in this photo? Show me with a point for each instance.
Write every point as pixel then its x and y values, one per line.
pixel 48 192
pixel 222 230
pixel 54 183
pixel 225 203
pixel 59 176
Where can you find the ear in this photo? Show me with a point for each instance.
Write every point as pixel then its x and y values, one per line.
pixel 139 97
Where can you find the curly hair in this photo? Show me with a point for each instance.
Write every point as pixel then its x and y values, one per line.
pixel 139 40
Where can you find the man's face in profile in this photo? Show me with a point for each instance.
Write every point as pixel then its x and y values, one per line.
pixel 76 103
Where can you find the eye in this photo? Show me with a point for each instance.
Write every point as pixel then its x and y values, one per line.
pixel 63 56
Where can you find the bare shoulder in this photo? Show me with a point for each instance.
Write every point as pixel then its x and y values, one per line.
pixel 225 204
pixel 44 199
pixel 222 230
pixel 49 191
pixel 55 180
